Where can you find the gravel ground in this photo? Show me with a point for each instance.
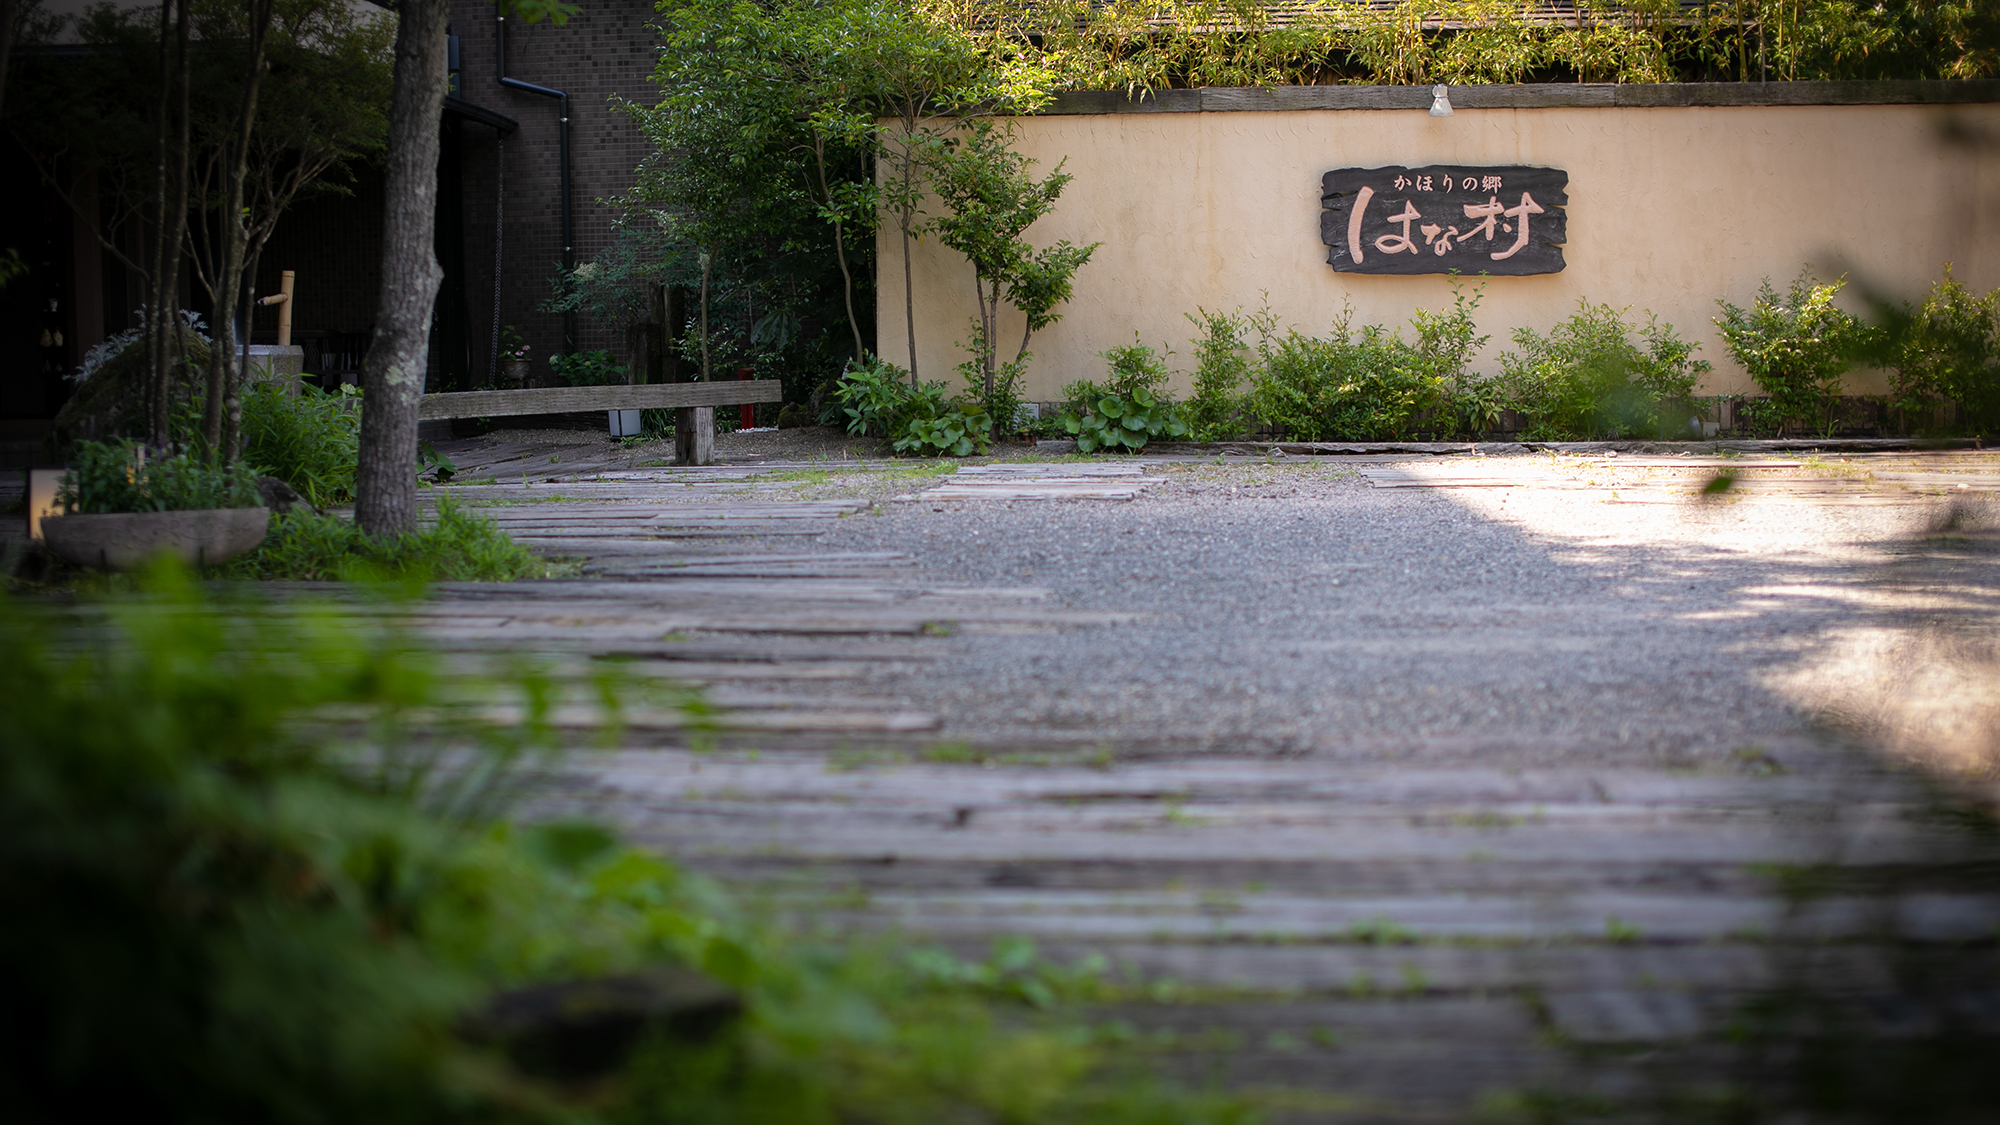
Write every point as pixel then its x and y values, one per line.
pixel 1293 608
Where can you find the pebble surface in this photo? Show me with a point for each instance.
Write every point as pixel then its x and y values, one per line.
pixel 1290 607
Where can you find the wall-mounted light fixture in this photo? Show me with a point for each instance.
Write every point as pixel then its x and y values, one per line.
pixel 1440 102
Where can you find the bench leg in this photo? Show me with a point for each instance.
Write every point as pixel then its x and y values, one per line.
pixel 694 435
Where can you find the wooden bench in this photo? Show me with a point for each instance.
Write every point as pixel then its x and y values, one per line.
pixel 693 405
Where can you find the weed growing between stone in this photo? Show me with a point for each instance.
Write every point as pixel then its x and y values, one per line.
pixel 256 866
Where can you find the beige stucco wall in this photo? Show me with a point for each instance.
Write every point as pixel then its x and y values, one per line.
pixel 1669 209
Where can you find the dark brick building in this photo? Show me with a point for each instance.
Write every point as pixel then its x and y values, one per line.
pixel 499 178
pixel 494 138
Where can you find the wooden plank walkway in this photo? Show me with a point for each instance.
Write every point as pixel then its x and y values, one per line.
pixel 1391 941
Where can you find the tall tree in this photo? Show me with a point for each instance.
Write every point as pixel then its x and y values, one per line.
pixel 222 404
pixel 392 373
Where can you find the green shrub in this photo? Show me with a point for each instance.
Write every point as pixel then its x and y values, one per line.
pixel 1371 385
pixel 875 397
pixel 1134 367
pixel 1222 365
pixel 1115 422
pixel 944 428
pixel 311 440
pixel 1797 347
pixel 1587 379
pixel 119 477
pixel 586 369
pixel 1949 348
pixel 306 547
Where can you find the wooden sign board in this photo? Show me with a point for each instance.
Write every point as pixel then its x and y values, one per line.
pixel 1506 220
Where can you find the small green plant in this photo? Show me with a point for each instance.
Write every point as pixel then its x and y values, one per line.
pixel 459 547
pixel 120 477
pixel 310 440
pixel 1797 346
pixel 512 346
pixel 875 397
pixel 948 429
pixel 1948 348
pixel 1119 423
pixel 586 369
pixel 1588 379
pixel 1134 367
pixel 1222 366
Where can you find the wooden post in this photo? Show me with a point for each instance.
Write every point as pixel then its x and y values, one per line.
pixel 285 280
pixel 694 435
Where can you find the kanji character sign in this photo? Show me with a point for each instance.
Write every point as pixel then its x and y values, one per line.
pixel 1438 219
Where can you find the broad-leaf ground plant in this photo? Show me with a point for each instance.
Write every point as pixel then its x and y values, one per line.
pixel 1798 346
pixel 1130 408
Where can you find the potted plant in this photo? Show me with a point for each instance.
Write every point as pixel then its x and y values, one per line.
pixel 121 509
pixel 513 358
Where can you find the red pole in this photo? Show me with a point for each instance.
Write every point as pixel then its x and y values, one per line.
pixel 749 416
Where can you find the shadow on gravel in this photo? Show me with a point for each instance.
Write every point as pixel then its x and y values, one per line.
pixel 1897 1019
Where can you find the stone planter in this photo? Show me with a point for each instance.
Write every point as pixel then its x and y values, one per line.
pixel 129 540
pixel 513 373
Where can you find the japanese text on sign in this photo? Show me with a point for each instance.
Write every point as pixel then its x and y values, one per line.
pixel 1440 219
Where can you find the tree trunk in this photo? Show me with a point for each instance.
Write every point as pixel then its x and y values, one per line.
pixel 11 14
pixel 392 376
pixel 839 245
pixel 903 219
pixel 707 260
pixel 158 321
pixel 223 377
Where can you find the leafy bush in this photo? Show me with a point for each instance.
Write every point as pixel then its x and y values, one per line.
pixel 1949 348
pixel 311 440
pixel 1135 366
pixel 1371 385
pixel 306 547
pixel 217 911
pixel 586 369
pixel 946 428
pixel 1587 379
pixel 1797 347
pixel 1346 386
pixel 1222 364
pixel 119 477
pixel 1002 403
pixel 875 397
pixel 1116 422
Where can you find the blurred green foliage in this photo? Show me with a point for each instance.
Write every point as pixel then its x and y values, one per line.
pixel 255 866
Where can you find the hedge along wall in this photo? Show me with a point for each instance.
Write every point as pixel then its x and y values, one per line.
pixel 1678 195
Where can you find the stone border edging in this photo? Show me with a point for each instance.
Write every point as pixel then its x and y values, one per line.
pixel 1460 448
pixel 1540 95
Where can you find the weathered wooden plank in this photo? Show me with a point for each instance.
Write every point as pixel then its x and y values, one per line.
pixel 562 400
